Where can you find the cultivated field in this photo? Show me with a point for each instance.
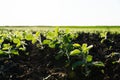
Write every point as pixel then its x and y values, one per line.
pixel 61 53
pixel 72 28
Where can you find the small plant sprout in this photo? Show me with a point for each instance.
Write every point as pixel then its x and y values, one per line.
pixel 103 35
pixel 86 60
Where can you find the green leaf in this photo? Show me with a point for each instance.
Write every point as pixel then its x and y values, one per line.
pixel 103 35
pixel 6 46
pixel 34 41
pixel 28 37
pixel 75 52
pixel 89 58
pixel 89 47
pixel 56 31
pixel 22 48
pixel 52 45
pixel 37 34
pixel 4 35
pixel 46 41
pixel 102 40
pixel 84 48
pixel 19 44
pixel 15 52
pixel 19 35
pixel 1 52
pixel 1 40
pixel 98 64
pixel 76 45
pixel 50 35
pixel 16 40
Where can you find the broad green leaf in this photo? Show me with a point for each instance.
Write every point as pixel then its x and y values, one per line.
pixel 73 36
pixel 4 35
pixel 50 35
pixel 16 40
pixel 114 62
pixel 18 44
pixel 34 41
pixel 84 46
pixel 1 40
pixel 1 52
pixel 76 45
pixel 52 45
pixel 19 35
pixel 28 37
pixel 15 52
pixel 37 34
pixel 6 46
pixel 98 63
pixel 46 42
pixel 89 58
pixel 75 52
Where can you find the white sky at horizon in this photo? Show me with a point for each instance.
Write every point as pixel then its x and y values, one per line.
pixel 59 12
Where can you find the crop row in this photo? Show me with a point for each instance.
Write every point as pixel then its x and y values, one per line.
pixel 76 55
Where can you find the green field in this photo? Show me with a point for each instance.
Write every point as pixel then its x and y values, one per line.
pixel 72 28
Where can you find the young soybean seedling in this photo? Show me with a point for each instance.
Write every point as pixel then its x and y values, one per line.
pixel 115 56
pixel 103 35
pixel 86 60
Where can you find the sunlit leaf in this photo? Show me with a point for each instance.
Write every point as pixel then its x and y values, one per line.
pixel 1 52
pixel 89 58
pixel 16 40
pixel 84 46
pixel 89 47
pixel 50 35
pixel 6 46
pixel 76 45
pixel 15 52
pixel 46 41
pixel 28 37
pixel 1 40
pixel 37 33
pixel 75 52
pixel 18 44
pixel 34 41
pixel 52 45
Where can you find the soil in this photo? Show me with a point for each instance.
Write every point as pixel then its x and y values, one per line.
pixel 41 64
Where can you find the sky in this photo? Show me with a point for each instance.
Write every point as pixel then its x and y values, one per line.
pixel 59 12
